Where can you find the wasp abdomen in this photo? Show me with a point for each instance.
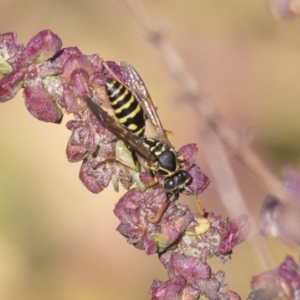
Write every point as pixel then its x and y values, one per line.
pixel 126 107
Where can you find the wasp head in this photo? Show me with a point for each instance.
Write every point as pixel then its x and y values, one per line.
pixel 177 181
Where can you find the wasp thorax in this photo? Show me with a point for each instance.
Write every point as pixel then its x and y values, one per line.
pixel 165 157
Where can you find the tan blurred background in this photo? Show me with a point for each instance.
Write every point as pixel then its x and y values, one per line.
pixel 57 240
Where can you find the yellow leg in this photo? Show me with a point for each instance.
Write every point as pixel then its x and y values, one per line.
pixel 200 207
pixel 180 158
pixel 150 184
pixel 199 204
pixel 159 213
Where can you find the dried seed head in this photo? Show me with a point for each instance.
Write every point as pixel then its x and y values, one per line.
pixel 58 80
pixel 284 9
pixel 219 240
pixel 282 220
pixel 134 209
pixel 283 281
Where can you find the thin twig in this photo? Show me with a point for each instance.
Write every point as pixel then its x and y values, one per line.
pixel 215 122
pixel 231 195
pixel 270 183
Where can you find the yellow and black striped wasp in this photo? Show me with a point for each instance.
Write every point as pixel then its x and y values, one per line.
pixel 132 107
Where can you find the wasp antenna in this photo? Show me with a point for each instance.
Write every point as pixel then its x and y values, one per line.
pixel 187 188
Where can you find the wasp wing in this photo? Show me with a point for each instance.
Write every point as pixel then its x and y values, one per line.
pixel 138 87
pixel 131 140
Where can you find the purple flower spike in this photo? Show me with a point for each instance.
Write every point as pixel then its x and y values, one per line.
pixel 94 177
pixel 291 181
pixel 263 294
pixel 283 281
pixel 193 269
pixel 11 84
pixel 11 78
pixel 10 51
pixel 235 232
pixel 40 48
pixel 282 220
pixel 87 134
pixel 219 240
pixel 175 288
pixel 134 209
pixel 179 288
pixel 40 103
pixel 116 70
pixel 216 289
pixel 199 181
pixel 283 10
pixel 30 70
pixel 79 80
pixel 55 81
pixel 60 58
pixel 189 152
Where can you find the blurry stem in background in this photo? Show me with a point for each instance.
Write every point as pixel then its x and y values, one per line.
pixel 213 119
pixel 230 194
pixel 202 106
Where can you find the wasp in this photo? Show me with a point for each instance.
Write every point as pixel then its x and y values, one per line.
pixel 125 106
pixel 132 106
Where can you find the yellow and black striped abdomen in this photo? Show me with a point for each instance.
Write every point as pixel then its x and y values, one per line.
pixel 126 107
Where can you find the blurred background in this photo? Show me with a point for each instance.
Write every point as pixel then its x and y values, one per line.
pixel 57 240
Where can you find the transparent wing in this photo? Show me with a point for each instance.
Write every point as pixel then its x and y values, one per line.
pixel 138 87
pixel 131 140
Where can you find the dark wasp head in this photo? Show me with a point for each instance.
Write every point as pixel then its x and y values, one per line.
pixel 177 181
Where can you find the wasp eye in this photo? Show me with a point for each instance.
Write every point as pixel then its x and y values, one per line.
pixel 181 175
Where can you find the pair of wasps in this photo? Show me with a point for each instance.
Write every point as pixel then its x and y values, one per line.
pixel 132 107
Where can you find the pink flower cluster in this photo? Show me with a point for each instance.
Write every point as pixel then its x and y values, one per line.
pixel 281 283
pixel 57 80
pixel 280 219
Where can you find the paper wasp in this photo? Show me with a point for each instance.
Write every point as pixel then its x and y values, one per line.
pixel 132 106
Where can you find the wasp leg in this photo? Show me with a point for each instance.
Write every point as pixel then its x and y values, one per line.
pixel 118 160
pixel 159 213
pixel 150 184
pixel 180 158
pixel 200 207
pixel 199 204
